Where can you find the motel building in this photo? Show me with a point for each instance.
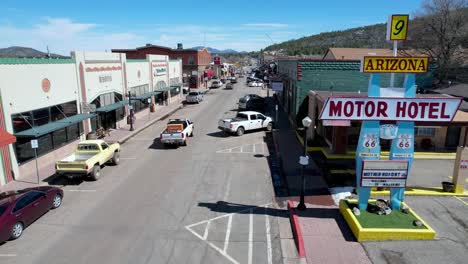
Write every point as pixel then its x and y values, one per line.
pixel 59 102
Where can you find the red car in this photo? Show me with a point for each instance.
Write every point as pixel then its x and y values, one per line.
pixel 18 209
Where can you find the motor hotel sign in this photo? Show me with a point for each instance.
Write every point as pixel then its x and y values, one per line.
pixel 390 109
pixel 372 64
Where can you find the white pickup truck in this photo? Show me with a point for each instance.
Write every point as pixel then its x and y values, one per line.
pixel 176 132
pixel 244 121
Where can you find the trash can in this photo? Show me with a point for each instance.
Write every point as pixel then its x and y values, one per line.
pixel 91 136
pixel 152 108
pixel 448 186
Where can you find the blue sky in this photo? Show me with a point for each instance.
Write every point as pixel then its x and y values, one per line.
pixel 100 25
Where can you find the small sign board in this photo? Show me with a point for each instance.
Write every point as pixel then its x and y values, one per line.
pixel 463 164
pixel 34 144
pixel 397 27
pixel 384 173
pixel 343 123
pixel 277 86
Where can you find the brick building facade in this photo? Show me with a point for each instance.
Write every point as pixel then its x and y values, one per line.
pixel 194 62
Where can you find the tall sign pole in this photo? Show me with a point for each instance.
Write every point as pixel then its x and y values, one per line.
pixel 35 145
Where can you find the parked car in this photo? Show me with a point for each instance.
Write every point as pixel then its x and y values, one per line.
pixel 233 79
pixel 256 84
pixel 251 102
pixel 176 132
pixel 194 97
pixel 229 86
pixel 19 209
pixel 88 159
pixel 216 84
pixel 245 121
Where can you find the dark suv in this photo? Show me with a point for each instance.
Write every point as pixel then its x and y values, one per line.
pixel 252 102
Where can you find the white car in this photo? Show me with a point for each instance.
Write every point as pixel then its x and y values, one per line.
pixel 194 97
pixel 244 121
pixel 255 84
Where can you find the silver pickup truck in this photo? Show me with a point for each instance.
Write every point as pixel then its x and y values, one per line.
pixel 176 132
pixel 244 121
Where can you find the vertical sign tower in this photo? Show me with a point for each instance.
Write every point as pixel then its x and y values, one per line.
pixel 402 147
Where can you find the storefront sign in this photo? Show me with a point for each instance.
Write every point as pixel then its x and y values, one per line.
pixel 45 85
pixel 384 173
pixel 371 64
pixel 343 123
pixel 105 78
pixel 159 71
pixel 397 27
pixel 390 109
pixel 34 144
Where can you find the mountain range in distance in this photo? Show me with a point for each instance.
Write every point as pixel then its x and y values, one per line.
pixel 24 52
pixel 217 51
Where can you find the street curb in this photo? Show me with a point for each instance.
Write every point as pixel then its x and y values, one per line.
pixel 126 138
pixel 296 229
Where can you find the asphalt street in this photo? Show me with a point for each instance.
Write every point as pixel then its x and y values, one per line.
pixel 208 202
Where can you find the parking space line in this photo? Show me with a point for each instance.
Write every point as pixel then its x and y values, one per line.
pixel 253 148
pixel 461 200
pixel 228 233
pixel 267 227
pixel 7 255
pixel 128 158
pixel 250 236
pixel 205 235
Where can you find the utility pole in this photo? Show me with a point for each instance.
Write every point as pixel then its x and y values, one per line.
pixel 130 107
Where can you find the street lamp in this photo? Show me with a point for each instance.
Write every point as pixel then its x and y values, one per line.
pixel 130 107
pixel 304 161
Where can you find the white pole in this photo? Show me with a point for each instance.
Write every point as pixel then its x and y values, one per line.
pixel 37 166
pixel 395 52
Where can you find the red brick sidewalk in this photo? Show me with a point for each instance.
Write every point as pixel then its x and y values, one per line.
pixel 326 236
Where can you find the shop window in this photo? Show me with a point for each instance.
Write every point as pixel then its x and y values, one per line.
pixel 21 121
pixel 23 150
pixel 73 132
pixel 425 131
pixel 69 109
pixel 120 113
pixel 41 116
pixel 59 137
pixel 45 144
pixel 56 113
pixel 191 60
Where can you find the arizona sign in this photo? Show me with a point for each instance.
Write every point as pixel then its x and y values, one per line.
pixel 394 64
pixel 390 109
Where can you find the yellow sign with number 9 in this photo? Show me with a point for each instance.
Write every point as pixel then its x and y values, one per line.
pixel 398 27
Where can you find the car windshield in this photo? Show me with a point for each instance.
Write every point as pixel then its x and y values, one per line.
pixel 243 100
pixel 87 147
pixel 193 93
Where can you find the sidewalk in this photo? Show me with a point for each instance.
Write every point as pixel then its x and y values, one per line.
pixel 120 135
pixel 324 234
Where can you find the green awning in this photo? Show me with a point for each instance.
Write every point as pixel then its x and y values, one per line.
pixel 177 85
pixel 53 126
pixel 111 107
pixel 164 89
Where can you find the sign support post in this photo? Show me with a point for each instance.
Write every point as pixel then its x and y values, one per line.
pixel 35 145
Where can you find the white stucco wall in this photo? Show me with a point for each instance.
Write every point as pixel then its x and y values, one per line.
pixel 158 64
pixel 135 79
pixel 103 73
pixel 175 70
pixel 21 86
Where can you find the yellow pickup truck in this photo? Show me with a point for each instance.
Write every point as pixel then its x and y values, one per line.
pixel 88 158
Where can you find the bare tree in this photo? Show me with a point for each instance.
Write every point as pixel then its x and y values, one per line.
pixel 441 30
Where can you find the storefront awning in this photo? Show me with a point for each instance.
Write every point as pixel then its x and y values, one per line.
pixel 108 108
pixel 163 89
pixel 145 96
pixel 6 138
pixel 177 85
pixel 53 126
